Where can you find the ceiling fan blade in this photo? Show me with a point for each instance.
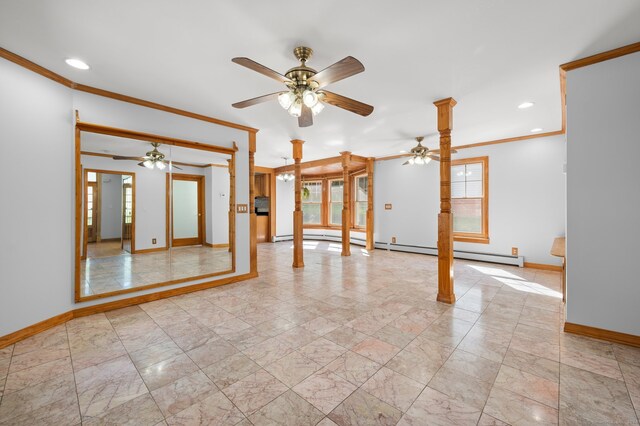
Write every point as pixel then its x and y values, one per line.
pixel 141 165
pixel 405 163
pixel 347 103
pixel 173 166
pixel 339 71
pixel 433 157
pixel 122 157
pixel 306 118
pixel 253 65
pixel 258 100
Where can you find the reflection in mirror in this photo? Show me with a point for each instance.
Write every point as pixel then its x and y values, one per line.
pixel 152 214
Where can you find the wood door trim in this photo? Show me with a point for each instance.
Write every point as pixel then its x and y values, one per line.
pixel 202 211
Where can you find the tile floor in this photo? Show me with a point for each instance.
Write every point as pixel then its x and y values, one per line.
pixel 106 274
pixel 345 341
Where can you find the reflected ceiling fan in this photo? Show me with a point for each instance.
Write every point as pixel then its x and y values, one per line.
pixel 421 155
pixel 153 159
pixel 305 95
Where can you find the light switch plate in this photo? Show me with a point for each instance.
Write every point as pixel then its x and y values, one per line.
pixel 388 206
pixel 243 208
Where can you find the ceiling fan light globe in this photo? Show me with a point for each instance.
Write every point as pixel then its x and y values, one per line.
pixel 419 161
pixel 412 161
pixel 160 165
pixel 317 108
pixel 295 110
pixel 148 164
pixel 310 98
pixel 286 99
pixel 427 160
pixel 280 177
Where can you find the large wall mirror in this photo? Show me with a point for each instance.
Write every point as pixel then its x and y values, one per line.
pixel 152 211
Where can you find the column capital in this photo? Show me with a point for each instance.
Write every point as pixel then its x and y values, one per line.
pixel 445 115
pixel 297 148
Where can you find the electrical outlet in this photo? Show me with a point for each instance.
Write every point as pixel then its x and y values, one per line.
pixel 514 251
pixel 154 241
pixel 393 240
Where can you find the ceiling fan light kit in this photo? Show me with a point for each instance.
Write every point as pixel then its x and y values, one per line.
pixel 421 155
pixel 305 96
pixel 154 159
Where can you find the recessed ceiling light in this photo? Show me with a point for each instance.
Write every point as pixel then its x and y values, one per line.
pixel 536 130
pixel 77 63
pixel 526 105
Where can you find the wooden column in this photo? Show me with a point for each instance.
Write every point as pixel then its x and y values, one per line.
pixel 445 218
pixel 370 242
pixel 232 204
pixel 253 224
pixel 346 204
pixel 298 259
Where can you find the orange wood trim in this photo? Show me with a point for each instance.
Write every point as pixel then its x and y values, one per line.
pixel 151 250
pixel 482 238
pixel 445 218
pixel 215 245
pixel 370 244
pixel 346 204
pixel 178 163
pixel 514 139
pixel 266 170
pixel 25 63
pixel 602 334
pixel 272 206
pixel 78 212
pixel 232 209
pixel 601 57
pixel 563 99
pixel 150 137
pixel 202 228
pixel 298 254
pixel 253 219
pixel 34 329
pixel 543 266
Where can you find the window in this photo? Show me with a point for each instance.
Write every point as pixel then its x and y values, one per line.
pixel 469 199
pixel 361 196
pixel 312 203
pixel 335 202
pixel 128 203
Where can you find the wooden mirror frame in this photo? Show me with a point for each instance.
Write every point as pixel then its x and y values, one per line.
pixel 79 212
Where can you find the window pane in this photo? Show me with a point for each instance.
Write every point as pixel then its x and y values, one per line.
pixel 91 176
pixel 457 173
pixel 336 214
pixel 474 171
pixel 467 215
pixel 315 192
pixel 337 187
pixel 361 188
pixel 457 189
pixel 474 189
pixel 311 213
pixel 361 213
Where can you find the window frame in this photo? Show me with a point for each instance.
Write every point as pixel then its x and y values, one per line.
pixel 472 237
pixel 321 203
pixel 330 202
pixel 354 200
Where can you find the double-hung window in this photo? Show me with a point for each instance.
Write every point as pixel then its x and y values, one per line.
pixel 470 199
pixel 335 202
pixel 361 196
pixel 312 203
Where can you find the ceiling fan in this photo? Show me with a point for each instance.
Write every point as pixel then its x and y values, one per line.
pixel 153 159
pixel 305 95
pixel 421 154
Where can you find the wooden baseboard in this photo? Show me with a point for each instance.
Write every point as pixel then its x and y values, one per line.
pixel 150 250
pixel 602 334
pixel 543 266
pixel 16 336
pixel 34 329
pixel 216 245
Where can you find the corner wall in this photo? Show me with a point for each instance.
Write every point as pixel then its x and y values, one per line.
pixel 603 196
pixel 37 250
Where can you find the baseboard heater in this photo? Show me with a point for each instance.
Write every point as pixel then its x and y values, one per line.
pixel 431 251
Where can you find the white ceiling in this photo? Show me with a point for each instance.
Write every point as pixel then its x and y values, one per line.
pixel 490 55
pixel 113 145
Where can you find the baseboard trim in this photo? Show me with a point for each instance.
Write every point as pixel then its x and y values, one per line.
pixel 543 266
pixel 215 245
pixel 150 250
pixel 34 329
pixel 602 334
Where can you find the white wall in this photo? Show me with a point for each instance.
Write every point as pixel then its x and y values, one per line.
pixel 526 199
pixel 217 199
pixel 111 206
pixel 285 204
pixel 36 115
pixel 603 196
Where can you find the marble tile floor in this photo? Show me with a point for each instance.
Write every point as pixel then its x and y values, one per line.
pixel 346 341
pixel 113 273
